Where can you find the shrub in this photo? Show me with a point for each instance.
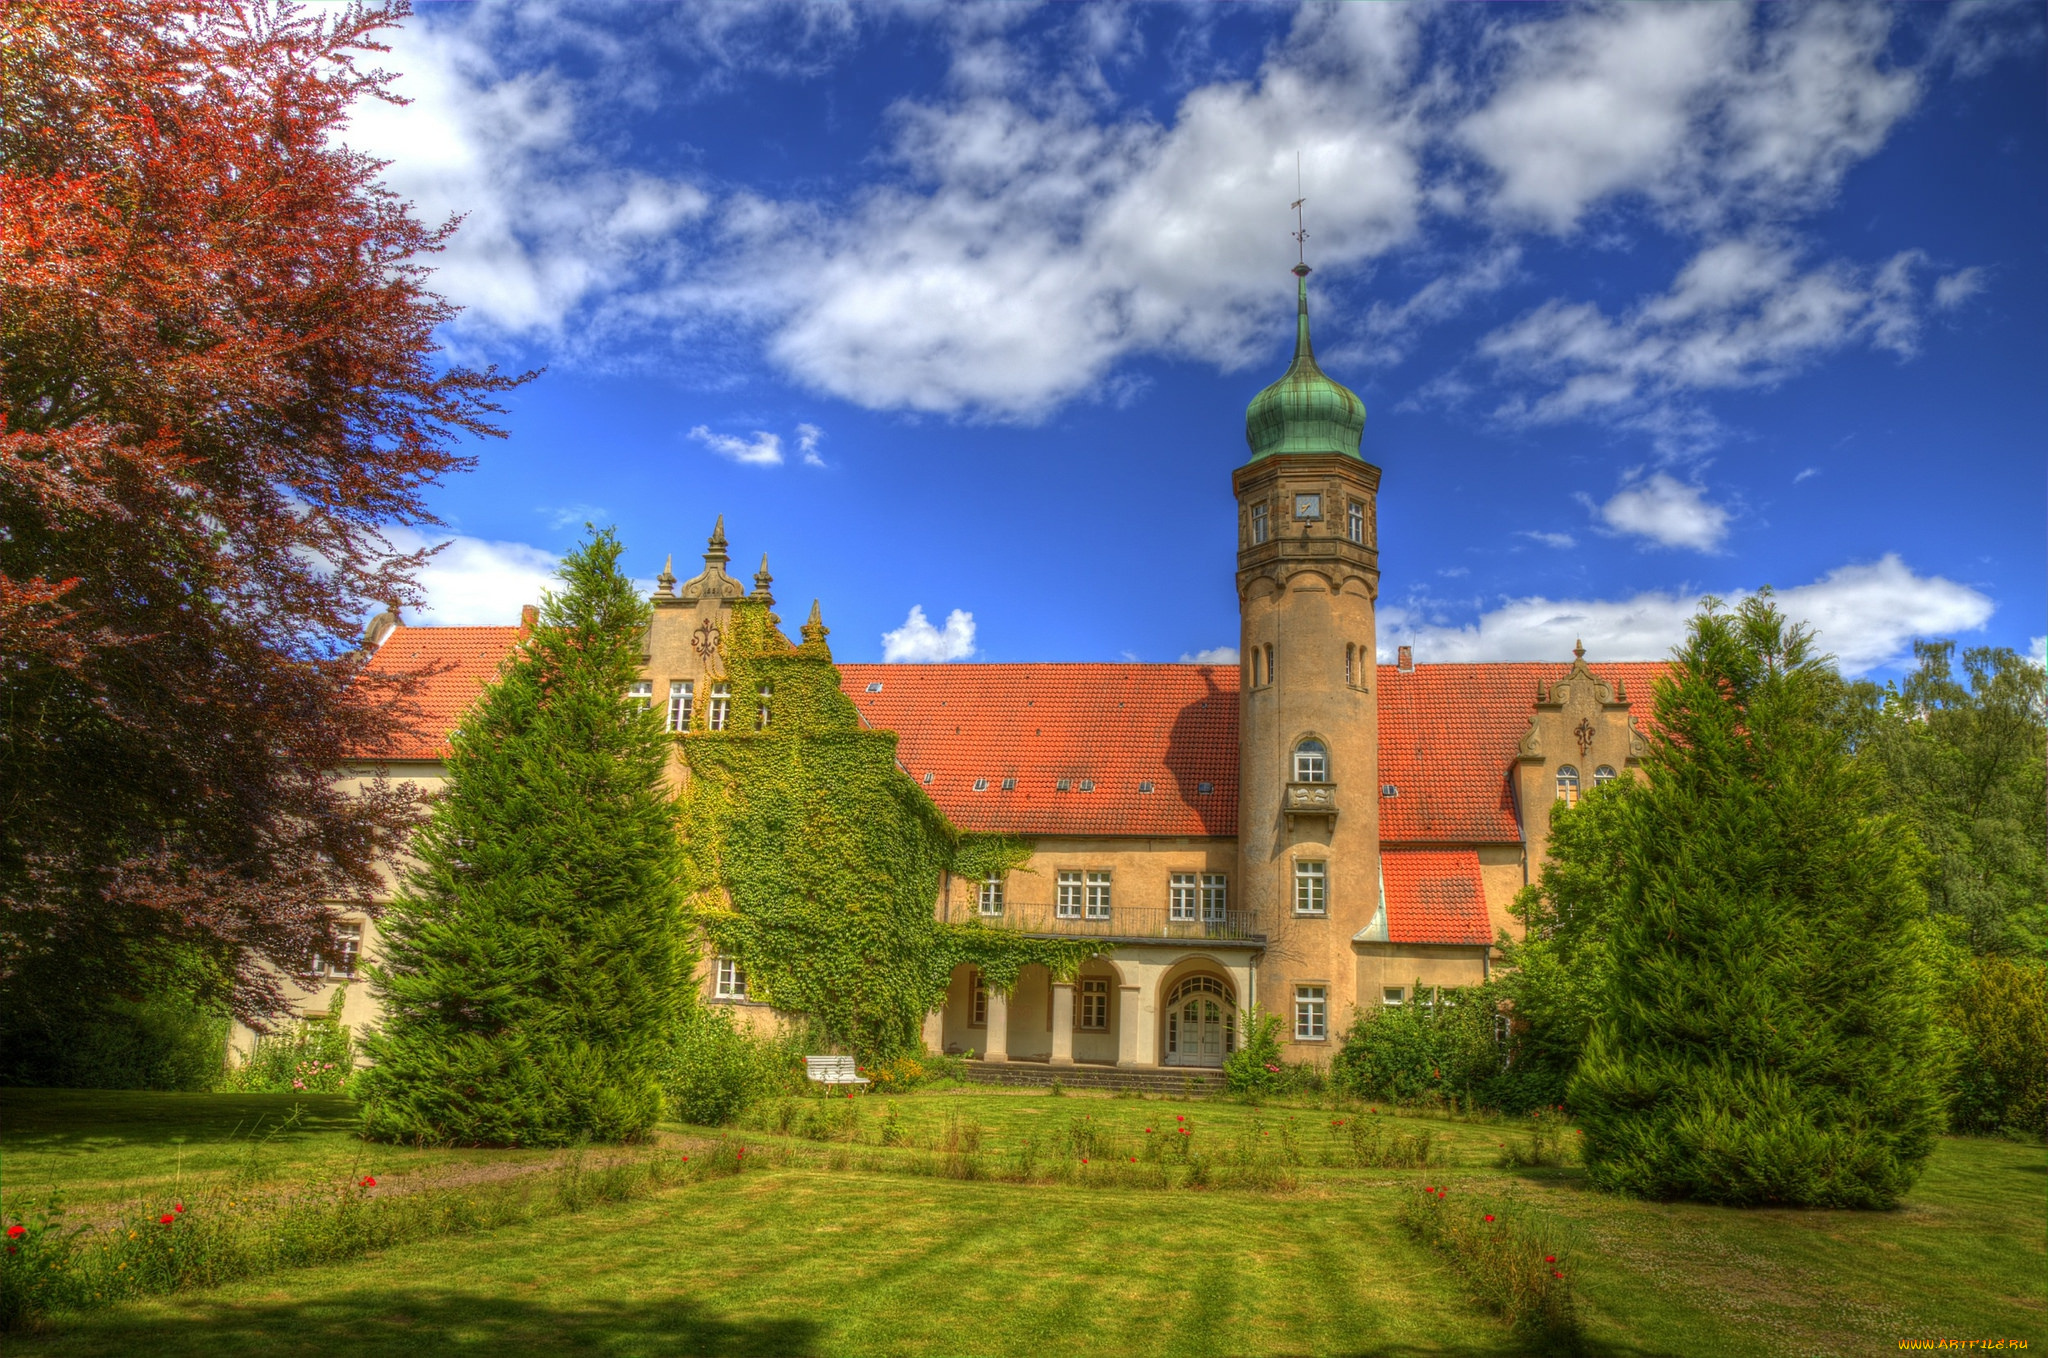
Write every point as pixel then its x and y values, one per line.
pixel 313 1056
pixel 716 1070
pixel 56 1033
pixel 1765 1032
pixel 1255 1068
pixel 1438 1046
pixel 1543 1140
pixel 2000 1016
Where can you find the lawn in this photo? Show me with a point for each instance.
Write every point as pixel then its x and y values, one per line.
pixel 850 1247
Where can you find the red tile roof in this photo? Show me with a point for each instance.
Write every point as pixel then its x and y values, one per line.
pixel 1124 728
pixel 1448 736
pixel 463 659
pixel 1434 896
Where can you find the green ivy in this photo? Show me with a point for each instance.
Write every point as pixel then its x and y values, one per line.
pixel 815 860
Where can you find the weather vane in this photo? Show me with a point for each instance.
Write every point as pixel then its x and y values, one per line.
pixel 1300 228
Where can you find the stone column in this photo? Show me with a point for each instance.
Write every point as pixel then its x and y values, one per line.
pixel 935 1031
pixel 1146 1011
pixel 1063 1023
pixel 1129 1019
pixel 998 1026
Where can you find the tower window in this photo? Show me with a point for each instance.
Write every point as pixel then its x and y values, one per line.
pixel 1258 524
pixel 761 697
pixel 721 707
pixel 1354 523
pixel 1568 785
pixel 681 694
pixel 1603 775
pixel 1269 662
pixel 991 902
pixel 1311 762
pixel 1350 657
pixel 1311 888
pixel 1311 1013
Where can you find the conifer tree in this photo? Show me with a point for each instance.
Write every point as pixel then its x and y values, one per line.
pixel 531 971
pixel 1765 1035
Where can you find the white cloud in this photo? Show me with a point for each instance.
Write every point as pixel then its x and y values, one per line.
pixel 917 642
pixel 475 582
pixel 1391 330
pixel 1807 474
pixel 1215 655
pixel 546 226
pixel 1867 615
pixel 1952 290
pixel 1710 112
pixel 1669 512
pixel 763 450
pixel 573 516
pixel 808 437
pixel 1739 315
pixel 1557 540
pixel 2037 650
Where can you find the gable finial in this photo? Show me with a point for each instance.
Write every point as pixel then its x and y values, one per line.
pixel 1578 650
pixel 665 583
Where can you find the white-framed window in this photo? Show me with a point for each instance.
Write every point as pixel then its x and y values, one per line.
pixel 1269 662
pixel 1568 784
pixel 641 694
pixel 731 983
pixel 1258 524
pixel 977 1004
pixel 348 938
pixel 1392 996
pixel 720 711
pixel 1182 896
pixel 1311 1013
pixel 682 695
pixel 1098 895
pixel 992 895
pixel 761 697
pixel 1311 762
pixel 1603 775
pixel 1215 897
pixel 1311 887
pixel 1093 1014
pixel 1354 523
pixel 1067 904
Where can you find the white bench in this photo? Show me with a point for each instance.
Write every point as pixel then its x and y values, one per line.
pixel 832 1070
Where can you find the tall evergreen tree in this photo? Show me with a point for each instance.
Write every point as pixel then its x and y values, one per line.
pixel 531 970
pixel 1765 1033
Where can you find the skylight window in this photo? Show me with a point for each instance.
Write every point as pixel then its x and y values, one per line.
pixel 1205 788
pixel 1062 785
pixel 927 780
pixel 1144 787
pixel 1389 790
pixel 981 785
pixel 1087 785
pixel 875 687
pixel 1009 784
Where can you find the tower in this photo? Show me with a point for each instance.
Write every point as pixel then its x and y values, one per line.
pixel 1308 751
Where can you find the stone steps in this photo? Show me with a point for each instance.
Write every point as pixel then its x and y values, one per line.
pixel 1031 1073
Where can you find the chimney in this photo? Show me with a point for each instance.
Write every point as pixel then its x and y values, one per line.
pixel 1404 659
pixel 381 627
pixel 529 618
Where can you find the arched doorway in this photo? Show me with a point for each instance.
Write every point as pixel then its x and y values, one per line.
pixel 1201 1022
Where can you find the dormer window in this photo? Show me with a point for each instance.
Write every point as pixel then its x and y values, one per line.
pixel 720 711
pixel 1311 762
pixel 1568 785
pixel 1258 524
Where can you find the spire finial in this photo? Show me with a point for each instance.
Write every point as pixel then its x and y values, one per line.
pixel 1578 650
pixel 665 583
pixel 814 632
pixel 1300 224
pixel 763 581
pixel 715 555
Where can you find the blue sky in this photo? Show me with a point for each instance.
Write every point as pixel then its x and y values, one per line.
pixel 954 310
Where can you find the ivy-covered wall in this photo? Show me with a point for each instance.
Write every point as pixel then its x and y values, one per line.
pixel 816 860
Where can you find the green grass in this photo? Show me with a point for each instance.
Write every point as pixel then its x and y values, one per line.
pixel 828 1252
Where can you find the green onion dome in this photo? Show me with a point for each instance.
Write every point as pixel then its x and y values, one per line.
pixel 1304 412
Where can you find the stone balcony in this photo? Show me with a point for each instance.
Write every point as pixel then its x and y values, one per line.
pixel 1137 924
pixel 1310 799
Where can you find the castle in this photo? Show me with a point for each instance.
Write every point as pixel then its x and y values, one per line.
pixel 1305 832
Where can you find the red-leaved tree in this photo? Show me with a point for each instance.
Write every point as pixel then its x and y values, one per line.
pixel 218 383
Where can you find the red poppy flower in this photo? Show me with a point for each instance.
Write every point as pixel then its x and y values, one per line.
pixel 369 1181
pixel 1555 1274
pixel 1134 1159
pixel 1185 1132
pixel 167 1218
pixel 1148 1131
pixel 1549 1258
pixel 16 1232
pixel 1180 1117
pixel 686 1159
pixel 1084 1159
pixel 177 1207
pixel 1489 1216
